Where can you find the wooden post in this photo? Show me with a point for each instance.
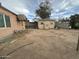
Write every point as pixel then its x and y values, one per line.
pixel 77 45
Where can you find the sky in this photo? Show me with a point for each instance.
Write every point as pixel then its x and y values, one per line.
pixel 61 8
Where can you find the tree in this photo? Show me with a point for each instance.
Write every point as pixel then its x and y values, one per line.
pixel 44 10
pixel 74 21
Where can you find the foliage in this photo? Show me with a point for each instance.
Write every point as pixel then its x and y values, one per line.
pixel 44 10
pixel 74 21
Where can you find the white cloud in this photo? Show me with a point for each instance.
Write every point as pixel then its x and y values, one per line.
pixel 65 5
pixel 22 10
pixel 75 2
pixel 27 7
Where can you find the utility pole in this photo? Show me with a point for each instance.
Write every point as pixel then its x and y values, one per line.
pixel 77 49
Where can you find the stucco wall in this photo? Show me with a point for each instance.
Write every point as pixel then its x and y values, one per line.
pixel 46 24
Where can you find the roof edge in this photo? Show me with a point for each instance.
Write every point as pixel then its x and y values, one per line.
pixel 7 9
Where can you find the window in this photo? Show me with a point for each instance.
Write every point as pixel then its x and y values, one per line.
pixel 51 23
pixel 4 21
pixel 41 23
pixel 7 19
pixel 1 21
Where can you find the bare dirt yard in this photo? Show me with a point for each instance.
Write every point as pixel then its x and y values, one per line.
pixel 44 44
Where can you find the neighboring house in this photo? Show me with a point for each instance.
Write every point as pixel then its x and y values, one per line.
pixel 9 22
pixel 46 24
pixel 22 20
pixel 63 24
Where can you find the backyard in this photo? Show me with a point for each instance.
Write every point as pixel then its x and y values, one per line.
pixel 42 44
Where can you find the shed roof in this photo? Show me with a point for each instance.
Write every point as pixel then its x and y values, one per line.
pixel 46 20
pixel 21 17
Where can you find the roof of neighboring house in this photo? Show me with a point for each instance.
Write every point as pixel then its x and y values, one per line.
pixel 46 20
pixel 64 20
pixel 21 17
pixel 6 9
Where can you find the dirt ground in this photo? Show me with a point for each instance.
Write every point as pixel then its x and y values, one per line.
pixel 44 44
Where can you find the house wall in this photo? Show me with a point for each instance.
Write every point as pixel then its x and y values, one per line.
pixel 14 25
pixel 63 25
pixel 46 24
pixel 21 25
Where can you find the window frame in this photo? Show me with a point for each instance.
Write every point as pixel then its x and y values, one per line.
pixel 4 19
pixel 6 22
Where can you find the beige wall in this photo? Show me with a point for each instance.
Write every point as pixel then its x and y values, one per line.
pixel 46 24
pixel 14 25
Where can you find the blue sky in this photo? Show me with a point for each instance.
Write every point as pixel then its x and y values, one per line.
pixel 61 8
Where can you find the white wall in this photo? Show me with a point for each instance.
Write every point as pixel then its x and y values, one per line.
pixel 46 24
